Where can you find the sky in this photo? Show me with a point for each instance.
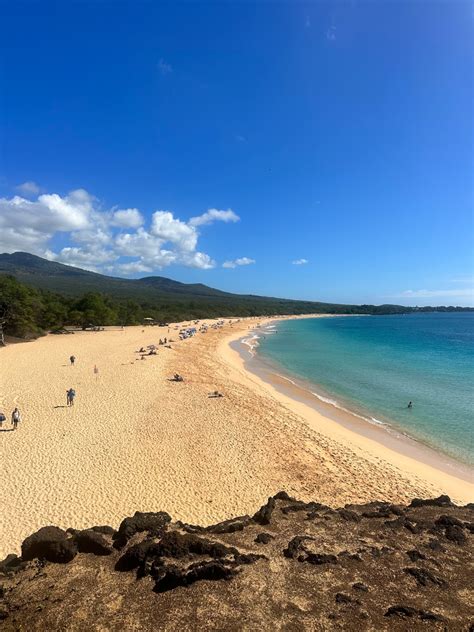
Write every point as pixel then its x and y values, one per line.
pixel 319 151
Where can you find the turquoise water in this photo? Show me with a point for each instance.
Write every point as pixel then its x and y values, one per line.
pixel 376 365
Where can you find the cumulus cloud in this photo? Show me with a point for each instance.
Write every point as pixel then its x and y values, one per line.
pixel 28 188
pixel 127 218
pixel 242 261
pixel 299 262
pixel 112 240
pixel 214 215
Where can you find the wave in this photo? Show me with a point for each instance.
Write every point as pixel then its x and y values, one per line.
pixel 336 404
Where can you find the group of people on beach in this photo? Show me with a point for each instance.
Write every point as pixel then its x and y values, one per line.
pixel 15 418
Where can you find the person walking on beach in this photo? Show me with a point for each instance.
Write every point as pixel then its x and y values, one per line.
pixel 16 418
pixel 70 395
pixel 72 359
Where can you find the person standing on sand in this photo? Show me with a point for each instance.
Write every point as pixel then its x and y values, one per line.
pixel 16 418
pixel 70 395
pixel 72 359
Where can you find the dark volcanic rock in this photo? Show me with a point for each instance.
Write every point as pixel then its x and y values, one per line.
pixel 343 598
pixel 455 534
pixel 11 564
pixel 105 530
pixel 345 569
pixel 136 555
pixel 150 521
pixel 415 555
pixel 295 546
pixel 174 577
pixel 441 501
pixel 90 541
pixel 424 576
pixel 410 612
pixel 264 514
pixel 349 515
pixel 263 538
pixel 321 558
pixel 49 543
pixel 229 526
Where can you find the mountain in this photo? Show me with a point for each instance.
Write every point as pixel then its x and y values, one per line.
pixel 169 298
pixel 291 566
pixel 57 277
pixel 154 290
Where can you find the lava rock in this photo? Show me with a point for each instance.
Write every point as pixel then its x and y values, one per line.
pixel 415 555
pixel 152 522
pixel 342 598
pixel 89 541
pixel 49 543
pixel 264 514
pixel 424 576
pixel 135 556
pixel 11 564
pixel 360 586
pixel 229 526
pixel 347 514
pixel 455 534
pixel 173 577
pixel 263 538
pixel 296 546
pixel 441 501
pixel 321 558
pixel 104 529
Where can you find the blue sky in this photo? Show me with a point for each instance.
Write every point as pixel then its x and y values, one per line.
pixel 338 133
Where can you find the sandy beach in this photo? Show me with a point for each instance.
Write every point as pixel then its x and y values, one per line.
pixel 136 441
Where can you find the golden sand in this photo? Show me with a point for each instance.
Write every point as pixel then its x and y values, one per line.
pixel 136 441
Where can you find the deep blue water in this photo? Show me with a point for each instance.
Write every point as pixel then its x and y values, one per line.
pixel 376 365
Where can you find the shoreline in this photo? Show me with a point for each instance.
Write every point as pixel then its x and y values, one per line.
pixel 136 441
pixel 401 450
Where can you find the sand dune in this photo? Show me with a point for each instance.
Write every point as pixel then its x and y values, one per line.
pixel 136 441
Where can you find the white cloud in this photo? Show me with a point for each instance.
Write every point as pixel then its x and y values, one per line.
pixel 166 228
pixel 28 188
pixel 457 293
pixel 331 33
pixel 164 67
pixel 133 267
pixel 213 215
pixel 299 262
pixel 29 225
pixel 242 261
pixel 98 239
pixel 127 218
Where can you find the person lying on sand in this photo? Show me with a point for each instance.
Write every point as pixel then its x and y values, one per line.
pixel 177 378
pixel 215 394
pixel 2 418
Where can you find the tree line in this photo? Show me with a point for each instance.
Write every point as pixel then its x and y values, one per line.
pixel 28 312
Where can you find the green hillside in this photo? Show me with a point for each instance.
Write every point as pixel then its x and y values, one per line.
pixel 37 295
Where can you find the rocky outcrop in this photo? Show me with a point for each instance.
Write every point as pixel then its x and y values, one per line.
pixel 361 567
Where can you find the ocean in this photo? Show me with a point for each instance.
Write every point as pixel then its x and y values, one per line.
pixel 374 365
